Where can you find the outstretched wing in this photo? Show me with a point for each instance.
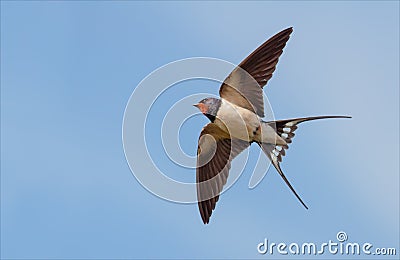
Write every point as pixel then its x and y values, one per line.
pixel 214 155
pixel 285 129
pixel 243 86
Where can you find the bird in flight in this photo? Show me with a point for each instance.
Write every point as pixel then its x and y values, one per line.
pixel 236 123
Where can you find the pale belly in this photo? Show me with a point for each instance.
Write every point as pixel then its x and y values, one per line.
pixel 243 124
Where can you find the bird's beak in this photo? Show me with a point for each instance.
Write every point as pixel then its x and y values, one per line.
pixel 201 107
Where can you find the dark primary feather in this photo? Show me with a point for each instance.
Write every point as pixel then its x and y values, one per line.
pixel 213 164
pixel 261 63
pixel 243 89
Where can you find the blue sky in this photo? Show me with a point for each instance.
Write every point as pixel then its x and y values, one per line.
pixel 69 68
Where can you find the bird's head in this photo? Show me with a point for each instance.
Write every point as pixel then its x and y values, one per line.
pixel 209 107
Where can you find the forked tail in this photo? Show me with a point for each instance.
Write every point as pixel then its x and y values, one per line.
pixel 285 129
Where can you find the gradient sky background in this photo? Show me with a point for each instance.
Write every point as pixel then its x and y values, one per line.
pixel 69 68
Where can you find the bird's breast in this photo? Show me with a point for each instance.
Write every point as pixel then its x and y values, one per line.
pixel 237 121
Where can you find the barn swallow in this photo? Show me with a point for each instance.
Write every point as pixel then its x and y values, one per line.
pixel 236 123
